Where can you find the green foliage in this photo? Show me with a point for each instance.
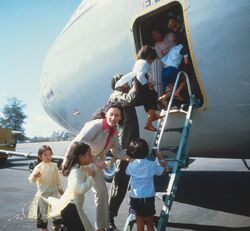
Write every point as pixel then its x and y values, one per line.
pixel 56 136
pixel 14 116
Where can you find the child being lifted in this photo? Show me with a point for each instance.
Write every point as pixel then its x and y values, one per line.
pixel 147 96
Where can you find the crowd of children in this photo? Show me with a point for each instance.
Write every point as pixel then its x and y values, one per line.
pixel 84 161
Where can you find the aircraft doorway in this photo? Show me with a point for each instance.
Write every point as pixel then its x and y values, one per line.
pixel 158 19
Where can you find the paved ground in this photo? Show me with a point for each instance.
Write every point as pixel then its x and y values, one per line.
pixel 213 194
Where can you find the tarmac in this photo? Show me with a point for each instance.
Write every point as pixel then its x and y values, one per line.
pixel 213 195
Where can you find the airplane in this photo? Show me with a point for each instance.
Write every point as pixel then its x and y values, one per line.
pixel 90 49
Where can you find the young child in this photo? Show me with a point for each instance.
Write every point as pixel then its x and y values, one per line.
pixel 142 192
pixel 80 172
pixel 147 96
pixel 171 61
pixel 162 45
pixel 47 178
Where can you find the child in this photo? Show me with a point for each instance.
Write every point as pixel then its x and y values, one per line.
pixel 80 172
pixel 171 61
pixel 162 45
pixel 142 193
pixel 47 178
pixel 147 96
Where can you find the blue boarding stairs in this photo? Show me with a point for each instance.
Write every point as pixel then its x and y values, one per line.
pixel 176 156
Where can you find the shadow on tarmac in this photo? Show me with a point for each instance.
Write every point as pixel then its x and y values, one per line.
pixel 205 227
pixel 15 163
pixel 225 191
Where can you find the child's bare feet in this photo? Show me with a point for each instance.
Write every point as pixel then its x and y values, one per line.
pixel 157 117
pixel 150 127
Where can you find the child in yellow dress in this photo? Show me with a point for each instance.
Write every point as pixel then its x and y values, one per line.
pixel 47 177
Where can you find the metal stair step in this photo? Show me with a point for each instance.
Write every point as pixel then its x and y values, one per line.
pixel 173 130
pixel 173 149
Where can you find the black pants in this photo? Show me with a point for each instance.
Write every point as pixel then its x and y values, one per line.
pixel 71 218
pixel 147 97
pixel 40 222
pixel 118 188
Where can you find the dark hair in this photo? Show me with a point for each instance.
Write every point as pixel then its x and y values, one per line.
pixel 158 30
pixel 177 38
pixel 101 113
pixel 114 80
pixel 76 149
pixel 138 149
pixel 146 52
pixel 41 150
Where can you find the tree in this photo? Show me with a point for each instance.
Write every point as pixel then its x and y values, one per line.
pixel 14 116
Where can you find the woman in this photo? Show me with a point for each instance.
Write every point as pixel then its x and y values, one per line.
pixel 101 135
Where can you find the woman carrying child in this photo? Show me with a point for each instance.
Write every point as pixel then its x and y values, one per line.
pixel 48 180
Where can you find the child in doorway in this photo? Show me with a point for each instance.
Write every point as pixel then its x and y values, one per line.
pixel 147 96
pixel 79 169
pixel 172 61
pixel 142 192
pixel 162 45
pixel 47 177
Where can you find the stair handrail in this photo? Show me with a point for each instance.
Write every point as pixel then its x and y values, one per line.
pixel 171 101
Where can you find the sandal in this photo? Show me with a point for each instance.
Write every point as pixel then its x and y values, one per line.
pixel 157 117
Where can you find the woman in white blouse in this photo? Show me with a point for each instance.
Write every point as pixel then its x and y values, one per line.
pixel 80 172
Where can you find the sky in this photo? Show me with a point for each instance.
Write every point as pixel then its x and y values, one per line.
pixel 27 30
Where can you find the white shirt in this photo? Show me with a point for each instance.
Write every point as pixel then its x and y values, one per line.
pixel 142 172
pixel 173 57
pixel 79 182
pixel 141 68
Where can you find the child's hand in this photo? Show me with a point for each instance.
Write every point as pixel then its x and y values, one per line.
pixel 36 173
pixel 100 164
pixel 161 159
pixel 61 191
pixel 91 171
pixel 186 60
pixel 159 155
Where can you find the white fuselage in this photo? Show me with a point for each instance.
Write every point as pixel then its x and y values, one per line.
pixel 98 42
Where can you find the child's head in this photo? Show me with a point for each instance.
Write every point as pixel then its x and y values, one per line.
pixel 174 24
pixel 156 35
pixel 79 153
pixel 147 53
pixel 173 38
pixel 138 149
pixel 44 154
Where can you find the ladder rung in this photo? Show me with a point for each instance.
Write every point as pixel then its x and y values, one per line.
pixel 173 130
pixel 177 111
pixel 170 149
